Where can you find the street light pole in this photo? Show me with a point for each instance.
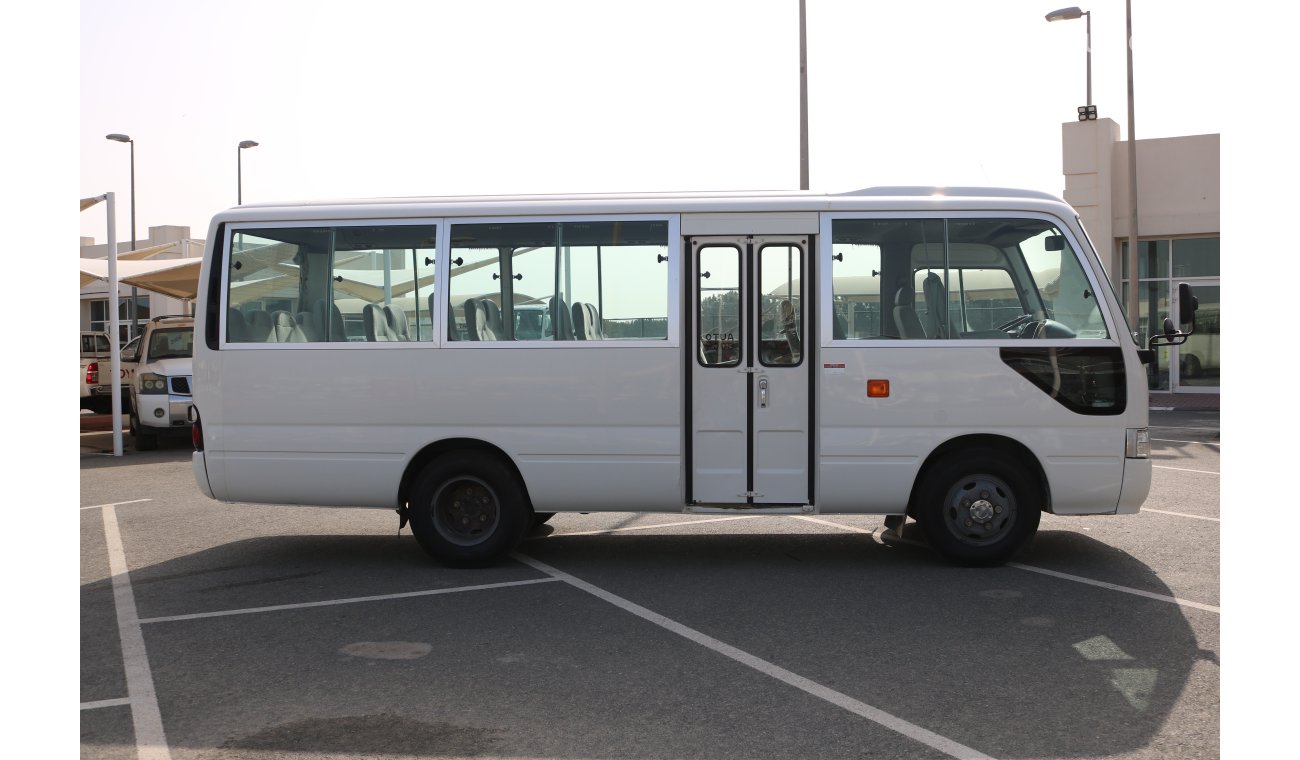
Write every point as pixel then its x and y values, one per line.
pixel 1068 14
pixel 239 161
pixel 135 317
pixel 1132 180
pixel 803 97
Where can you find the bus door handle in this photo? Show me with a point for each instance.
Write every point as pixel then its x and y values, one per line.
pixel 762 393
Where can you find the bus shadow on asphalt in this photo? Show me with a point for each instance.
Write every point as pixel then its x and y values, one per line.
pixel 1069 669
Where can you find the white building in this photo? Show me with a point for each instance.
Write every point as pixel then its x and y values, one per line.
pixel 1178 232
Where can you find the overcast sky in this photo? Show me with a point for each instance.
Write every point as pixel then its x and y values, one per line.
pixel 390 98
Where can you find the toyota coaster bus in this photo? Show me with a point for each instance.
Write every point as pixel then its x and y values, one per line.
pixel 957 356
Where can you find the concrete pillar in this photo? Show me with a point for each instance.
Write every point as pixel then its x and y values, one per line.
pixel 1087 153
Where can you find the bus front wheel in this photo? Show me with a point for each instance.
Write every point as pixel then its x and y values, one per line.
pixel 467 510
pixel 977 509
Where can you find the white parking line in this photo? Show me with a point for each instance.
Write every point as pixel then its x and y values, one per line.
pixel 351 600
pixel 150 740
pixel 1179 514
pixel 1170 440
pixel 120 702
pixel 861 709
pixel 879 536
pixel 114 504
pixel 1184 469
pixel 1113 587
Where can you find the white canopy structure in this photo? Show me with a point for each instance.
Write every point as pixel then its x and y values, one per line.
pixel 177 278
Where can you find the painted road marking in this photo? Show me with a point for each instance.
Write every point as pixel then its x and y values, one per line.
pixel 1113 587
pixel 1179 514
pixel 880 533
pixel 861 709
pixel 1184 469
pixel 115 504
pixel 351 600
pixel 150 740
pixel 120 702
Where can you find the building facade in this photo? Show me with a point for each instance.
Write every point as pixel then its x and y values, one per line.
pixel 1178 235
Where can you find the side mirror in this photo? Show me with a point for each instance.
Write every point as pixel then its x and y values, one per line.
pixel 1054 243
pixel 1170 335
pixel 1187 304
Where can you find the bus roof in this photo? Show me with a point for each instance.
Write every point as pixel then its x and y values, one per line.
pixel 897 198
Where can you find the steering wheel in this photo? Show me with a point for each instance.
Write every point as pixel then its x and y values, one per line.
pixel 1020 320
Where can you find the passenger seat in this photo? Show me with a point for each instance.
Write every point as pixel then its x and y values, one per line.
pixel 376 322
pixel 284 329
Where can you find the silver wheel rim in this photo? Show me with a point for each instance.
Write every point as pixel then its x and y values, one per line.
pixel 979 509
pixel 466 511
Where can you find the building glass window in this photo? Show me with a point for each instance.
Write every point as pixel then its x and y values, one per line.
pixel 99 316
pixel 1162 264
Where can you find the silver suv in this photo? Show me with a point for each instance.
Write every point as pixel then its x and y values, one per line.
pixel 159 366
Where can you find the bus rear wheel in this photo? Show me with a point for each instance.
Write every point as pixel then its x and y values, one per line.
pixel 977 509
pixel 467 510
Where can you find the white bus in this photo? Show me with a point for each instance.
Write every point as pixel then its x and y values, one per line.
pixel 480 363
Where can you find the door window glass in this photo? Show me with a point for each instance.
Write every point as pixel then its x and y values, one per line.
pixel 781 306
pixel 719 317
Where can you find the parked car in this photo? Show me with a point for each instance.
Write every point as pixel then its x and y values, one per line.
pixel 96 380
pixel 158 365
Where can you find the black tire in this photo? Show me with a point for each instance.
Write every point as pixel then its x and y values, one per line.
pixel 978 509
pixel 143 441
pixel 540 518
pixel 468 510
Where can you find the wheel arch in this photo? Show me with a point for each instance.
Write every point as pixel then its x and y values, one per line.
pixel 450 445
pixel 1001 445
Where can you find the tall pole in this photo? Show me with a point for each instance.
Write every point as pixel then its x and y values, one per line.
pixel 803 97
pixel 117 137
pixel 1132 181
pixel 115 351
pixel 1088 17
pixel 135 315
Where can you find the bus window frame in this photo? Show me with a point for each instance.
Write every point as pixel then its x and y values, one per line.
pixel 673 303
pixel 1083 251
pixel 442 287
pixel 228 243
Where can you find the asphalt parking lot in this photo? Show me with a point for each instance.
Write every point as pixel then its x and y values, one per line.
pixel 213 630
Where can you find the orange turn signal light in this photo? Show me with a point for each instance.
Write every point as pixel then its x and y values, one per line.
pixel 877 389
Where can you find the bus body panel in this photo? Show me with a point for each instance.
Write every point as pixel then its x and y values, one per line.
pixel 872 449
pixel 1137 486
pixel 318 425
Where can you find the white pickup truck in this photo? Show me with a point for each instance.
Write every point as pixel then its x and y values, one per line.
pixel 96 376
pixel 157 366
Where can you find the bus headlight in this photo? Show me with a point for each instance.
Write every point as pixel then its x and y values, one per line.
pixel 1137 443
pixel 151 384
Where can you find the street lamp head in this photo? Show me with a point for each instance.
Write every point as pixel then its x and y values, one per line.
pixel 118 138
pixel 247 144
pixel 1066 14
